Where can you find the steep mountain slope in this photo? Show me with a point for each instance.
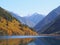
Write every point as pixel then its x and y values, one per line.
pixel 50 23
pixel 10 26
pixel 21 19
pixel 6 19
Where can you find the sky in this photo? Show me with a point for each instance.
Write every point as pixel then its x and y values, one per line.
pixel 28 7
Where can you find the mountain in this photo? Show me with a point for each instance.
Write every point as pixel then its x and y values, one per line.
pixel 51 23
pixel 21 19
pixel 33 19
pixel 11 26
pixel 30 21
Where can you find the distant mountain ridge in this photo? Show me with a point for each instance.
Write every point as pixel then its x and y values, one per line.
pixel 34 19
pixel 30 21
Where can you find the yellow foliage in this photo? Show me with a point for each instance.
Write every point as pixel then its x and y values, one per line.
pixel 14 28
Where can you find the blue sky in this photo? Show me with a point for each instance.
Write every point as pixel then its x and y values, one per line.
pixel 28 7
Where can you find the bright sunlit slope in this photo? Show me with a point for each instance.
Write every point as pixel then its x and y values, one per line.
pixel 10 26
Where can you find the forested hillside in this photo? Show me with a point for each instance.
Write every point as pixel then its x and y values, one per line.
pixel 10 26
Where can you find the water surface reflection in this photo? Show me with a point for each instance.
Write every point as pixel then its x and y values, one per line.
pixel 30 40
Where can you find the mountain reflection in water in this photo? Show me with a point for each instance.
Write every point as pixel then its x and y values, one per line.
pixel 30 40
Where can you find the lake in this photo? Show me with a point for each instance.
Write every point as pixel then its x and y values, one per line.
pixel 29 40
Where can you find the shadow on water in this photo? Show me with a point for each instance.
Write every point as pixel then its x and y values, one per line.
pixel 29 40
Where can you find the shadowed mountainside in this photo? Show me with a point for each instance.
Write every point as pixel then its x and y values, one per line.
pixel 50 24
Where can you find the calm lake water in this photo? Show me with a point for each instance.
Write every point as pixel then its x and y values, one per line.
pixel 30 40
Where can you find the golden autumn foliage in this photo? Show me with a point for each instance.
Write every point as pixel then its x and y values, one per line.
pixel 10 28
pixel 15 28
